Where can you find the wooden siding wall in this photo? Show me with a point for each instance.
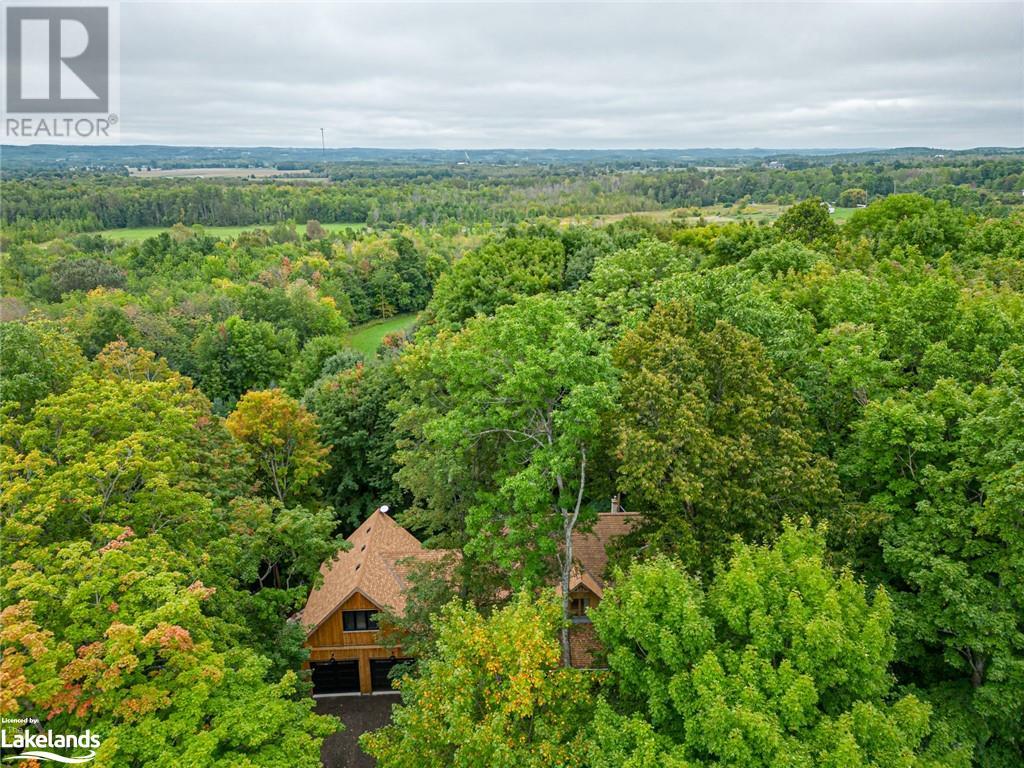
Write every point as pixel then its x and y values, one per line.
pixel 581 592
pixel 330 640
pixel 331 634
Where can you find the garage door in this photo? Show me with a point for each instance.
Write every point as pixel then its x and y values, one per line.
pixel 380 670
pixel 335 676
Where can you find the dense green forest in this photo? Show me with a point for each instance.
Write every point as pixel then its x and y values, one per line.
pixel 821 423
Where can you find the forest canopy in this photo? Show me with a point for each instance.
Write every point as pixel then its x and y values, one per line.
pixel 818 418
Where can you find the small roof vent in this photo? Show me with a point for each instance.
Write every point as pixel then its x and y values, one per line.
pixel 384 508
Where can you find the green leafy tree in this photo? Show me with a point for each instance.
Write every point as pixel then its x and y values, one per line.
pixel 115 639
pixel 940 470
pixel 492 694
pixel 584 246
pixel 378 277
pixel 908 220
pixel 308 365
pixel 238 355
pixel 84 274
pixel 120 361
pixel 778 662
pixel 297 308
pixel 284 232
pixel 854 372
pixel 102 323
pixel 107 450
pixel 782 258
pixel 264 557
pixel 712 443
pixel 504 419
pixel 737 297
pixel 495 274
pixel 807 222
pixel 852 197
pixel 36 359
pixel 138 601
pixel 623 286
pixel 999 239
pixel 352 409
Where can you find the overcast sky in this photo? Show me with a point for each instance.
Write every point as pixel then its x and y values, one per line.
pixel 573 75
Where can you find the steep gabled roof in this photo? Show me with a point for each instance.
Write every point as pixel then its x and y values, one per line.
pixel 374 566
pixel 590 549
pixel 581 578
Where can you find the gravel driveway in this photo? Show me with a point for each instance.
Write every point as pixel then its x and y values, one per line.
pixel 359 714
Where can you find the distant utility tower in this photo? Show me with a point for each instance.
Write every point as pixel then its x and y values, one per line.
pixel 323 146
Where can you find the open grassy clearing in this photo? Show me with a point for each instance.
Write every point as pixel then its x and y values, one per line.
pixel 842 215
pixel 142 233
pixel 753 212
pixel 368 336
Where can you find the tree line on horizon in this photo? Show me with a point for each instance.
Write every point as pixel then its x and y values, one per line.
pixel 41 207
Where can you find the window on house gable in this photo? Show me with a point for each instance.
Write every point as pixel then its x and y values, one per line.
pixel 578 606
pixel 358 621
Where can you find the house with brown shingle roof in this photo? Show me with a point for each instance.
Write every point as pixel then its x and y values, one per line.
pixel 346 652
pixel 589 576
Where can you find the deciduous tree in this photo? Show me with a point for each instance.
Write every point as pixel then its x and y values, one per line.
pixel 356 423
pixel 778 662
pixel 712 442
pixel 511 410
pixel 282 438
pixel 238 355
pixel 36 359
pixel 495 274
pixel 942 471
pixel 808 222
pixel 491 695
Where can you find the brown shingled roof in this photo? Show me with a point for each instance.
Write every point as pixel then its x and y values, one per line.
pixel 590 549
pixel 375 566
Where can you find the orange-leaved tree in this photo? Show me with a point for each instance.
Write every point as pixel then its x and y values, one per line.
pixel 281 437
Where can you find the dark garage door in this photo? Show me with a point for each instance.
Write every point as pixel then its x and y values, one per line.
pixel 335 676
pixel 379 673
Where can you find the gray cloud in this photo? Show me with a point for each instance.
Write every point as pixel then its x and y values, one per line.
pixel 574 75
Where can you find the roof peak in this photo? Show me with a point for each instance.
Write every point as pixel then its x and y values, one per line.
pixel 363 568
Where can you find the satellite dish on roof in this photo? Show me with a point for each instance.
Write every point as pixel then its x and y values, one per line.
pixel 384 508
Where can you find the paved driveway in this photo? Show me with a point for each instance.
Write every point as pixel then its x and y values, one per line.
pixel 359 714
